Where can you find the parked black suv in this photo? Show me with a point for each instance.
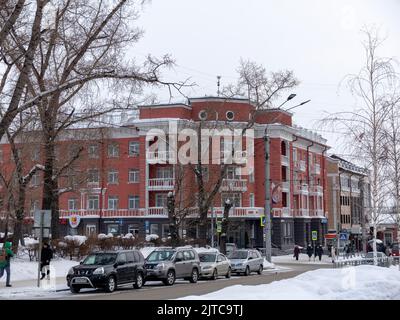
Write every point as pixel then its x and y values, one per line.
pixel 107 270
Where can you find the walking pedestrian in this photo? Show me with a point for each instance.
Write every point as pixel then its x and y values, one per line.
pixel 320 251
pixel 296 252
pixel 333 254
pixel 45 258
pixel 5 257
pixel 309 252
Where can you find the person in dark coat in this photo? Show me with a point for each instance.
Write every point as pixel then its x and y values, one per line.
pixel 296 252
pixel 309 252
pixel 45 258
pixel 319 252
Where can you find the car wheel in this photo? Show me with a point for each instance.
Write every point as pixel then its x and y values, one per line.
pixel 228 275
pixel 74 289
pixel 260 269
pixel 111 284
pixel 195 276
pixel 214 275
pixel 139 281
pixel 170 278
pixel 247 272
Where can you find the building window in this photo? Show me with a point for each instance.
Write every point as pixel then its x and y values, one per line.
pixel 93 176
pixel 165 173
pixel 112 202
pixel 133 148
pixel 133 176
pixel 252 202
pixel 113 176
pixel 153 228
pixel 35 180
pixel 72 204
pixel 113 229
pixel 231 173
pixel 284 200
pixel 91 229
pixel 93 151
pixel 294 154
pixel 1 155
pixel 113 150
pixel 36 153
pixel 235 198
pixel 35 205
pixel 161 200
pixel 133 202
pixel 388 238
pixel 93 202
pixel 165 230
pixel 133 229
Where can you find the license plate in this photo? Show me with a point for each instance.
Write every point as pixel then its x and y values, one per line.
pixel 80 280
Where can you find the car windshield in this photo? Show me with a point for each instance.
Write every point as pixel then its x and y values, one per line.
pixel 395 246
pixel 207 257
pixel 160 255
pixel 100 259
pixel 238 255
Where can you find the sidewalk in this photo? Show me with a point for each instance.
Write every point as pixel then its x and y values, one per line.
pixel 59 281
pixel 303 259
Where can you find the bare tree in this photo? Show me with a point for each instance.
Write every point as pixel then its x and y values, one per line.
pixel 365 126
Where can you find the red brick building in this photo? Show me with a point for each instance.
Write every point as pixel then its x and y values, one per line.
pixel 113 186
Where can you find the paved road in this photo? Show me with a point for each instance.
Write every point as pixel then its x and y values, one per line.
pixel 157 291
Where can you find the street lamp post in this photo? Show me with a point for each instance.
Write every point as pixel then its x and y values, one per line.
pixel 267 208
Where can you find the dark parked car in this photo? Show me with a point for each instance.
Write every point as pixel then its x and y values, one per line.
pixel 108 270
pixel 167 264
pixel 395 249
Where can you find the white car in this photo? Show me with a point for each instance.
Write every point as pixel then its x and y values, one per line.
pixel 213 265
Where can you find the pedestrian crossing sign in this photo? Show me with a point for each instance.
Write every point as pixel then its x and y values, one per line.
pixel 262 221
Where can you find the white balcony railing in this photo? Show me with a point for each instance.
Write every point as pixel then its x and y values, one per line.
pixel 301 213
pixel 234 185
pixel 161 184
pixel 285 160
pixel 239 212
pixel 286 212
pixel 316 190
pixel 300 165
pixel 285 186
pixel 301 189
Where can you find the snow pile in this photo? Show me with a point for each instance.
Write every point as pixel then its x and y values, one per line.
pixel 128 236
pixel 356 283
pixel 102 236
pixel 78 239
pixel 30 242
pixel 268 265
pixel 152 237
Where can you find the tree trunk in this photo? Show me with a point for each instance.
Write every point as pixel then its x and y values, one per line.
pixel 203 212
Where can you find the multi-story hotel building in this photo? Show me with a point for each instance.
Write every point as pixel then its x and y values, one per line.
pixel 114 187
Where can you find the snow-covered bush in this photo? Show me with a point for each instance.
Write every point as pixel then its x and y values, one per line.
pixel 152 237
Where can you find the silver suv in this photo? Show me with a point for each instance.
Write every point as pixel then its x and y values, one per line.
pixel 246 261
pixel 168 264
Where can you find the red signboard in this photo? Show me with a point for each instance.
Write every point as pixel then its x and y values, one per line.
pixel 330 236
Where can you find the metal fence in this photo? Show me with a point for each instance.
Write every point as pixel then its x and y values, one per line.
pixel 382 262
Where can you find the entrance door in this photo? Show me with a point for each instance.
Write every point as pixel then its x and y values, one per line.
pixel 91 229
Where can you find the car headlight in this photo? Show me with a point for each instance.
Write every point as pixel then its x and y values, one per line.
pixel 99 271
pixel 71 271
pixel 160 266
pixel 207 267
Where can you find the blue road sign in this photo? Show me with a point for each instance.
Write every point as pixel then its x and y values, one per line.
pixel 343 236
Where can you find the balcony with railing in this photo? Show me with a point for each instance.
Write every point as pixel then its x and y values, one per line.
pixel 234 185
pixel 238 212
pixel 300 165
pixel 316 190
pixel 301 189
pixel 285 161
pixel 286 212
pixel 299 213
pixel 160 184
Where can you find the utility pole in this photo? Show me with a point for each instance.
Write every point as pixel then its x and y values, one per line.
pixel 212 226
pixel 267 225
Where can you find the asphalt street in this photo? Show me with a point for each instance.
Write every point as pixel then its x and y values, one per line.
pixel 157 291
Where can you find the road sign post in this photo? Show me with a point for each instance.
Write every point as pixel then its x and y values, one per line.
pixel 42 223
pixel 314 235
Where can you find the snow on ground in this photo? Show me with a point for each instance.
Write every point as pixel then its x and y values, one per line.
pixel 268 265
pixel 303 258
pixel 27 270
pixel 355 283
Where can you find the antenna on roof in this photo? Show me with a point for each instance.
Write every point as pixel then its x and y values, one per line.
pixel 218 84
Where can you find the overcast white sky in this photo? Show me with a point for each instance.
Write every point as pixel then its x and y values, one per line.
pixel 319 40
